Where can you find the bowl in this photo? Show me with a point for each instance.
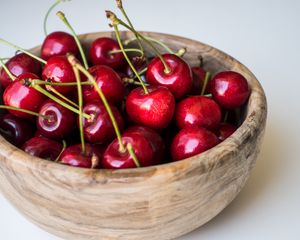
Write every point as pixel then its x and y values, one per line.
pixel 158 202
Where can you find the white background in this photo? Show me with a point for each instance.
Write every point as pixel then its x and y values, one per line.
pixel 264 35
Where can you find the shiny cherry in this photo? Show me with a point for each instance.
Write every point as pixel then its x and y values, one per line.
pixel 58 43
pixel 20 94
pixel 178 80
pixel 229 89
pixel 59 122
pixel 43 148
pixel 224 131
pixel 73 156
pixel 191 141
pixel 100 53
pixel 198 111
pixel 108 81
pixel 154 109
pixel 17 65
pixel 99 128
pixel 15 130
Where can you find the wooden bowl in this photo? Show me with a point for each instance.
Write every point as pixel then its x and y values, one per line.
pixel 159 202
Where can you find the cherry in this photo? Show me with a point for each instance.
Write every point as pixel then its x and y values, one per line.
pixel 19 94
pixel 225 130
pixel 139 64
pixel 17 65
pixel 99 129
pixel 15 130
pixel 73 156
pixel 198 80
pixel 198 111
pixel 178 80
pixel 100 53
pixel 59 70
pixel 43 148
pixel 58 43
pixel 191 141
pixel 230 89
pixel 154 109
pixel 59 122
pixel 108 81
pixel 113 158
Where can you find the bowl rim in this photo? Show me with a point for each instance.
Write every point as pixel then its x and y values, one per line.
pixel 253 120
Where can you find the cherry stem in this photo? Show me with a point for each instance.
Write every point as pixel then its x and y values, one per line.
pixel 120 6
pixel 207 75
pixel 62 16
pixel 63 149
pixel 126 50
pixel 22 50
pixel 200 60
pixel 133 155
pixel 11 76
pixel 23 110
pixel 225 116
pixel 131 81
pixel 75 63
pixel 42 82
pixel 53 90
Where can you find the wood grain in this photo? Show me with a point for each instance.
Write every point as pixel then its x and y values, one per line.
pixel 159 202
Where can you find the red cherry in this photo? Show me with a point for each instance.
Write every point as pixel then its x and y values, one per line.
pixel 15 130
pixel 17 65
pixel 100 53
pixel 43 148
pixel 73 156
pixel 138 63
pixel 191 141
pixel 179 80
pixel 59 122
pixel 225 130
pixel 154 110
pixel 59 70
pixel 230 89
pixel 58 43
pixel 198 80
pixel 19 94
pixel 108 81
pixel 99 128
pixel 114 159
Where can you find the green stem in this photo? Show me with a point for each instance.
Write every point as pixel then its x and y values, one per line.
pixel 62 16
pixel 207 75
pixel 23 110
pixel 42 82
pixel 63 149
pixel 180 52
pixel 133 155
pixel 53 90
pixel 11 76
pixel 23 51
pixel 225 116
pixel 126 50
pixel 131 81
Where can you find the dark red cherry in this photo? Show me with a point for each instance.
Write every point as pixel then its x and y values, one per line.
pixel 43 148
pixel 139 64
pixel 100 53
pixel 114 159
pixel 191 141
pixel 57 44
pixel 20 94
pixel 59 70
pixel 59 122
pixel 15 130
pixel 154 109
pixel 108 81
pixel 225 130
pixel 17 65
pixel 99 128
pixel 198 111
pixel 73 156
pixel 178 80
pixel 198 80
pixel 230 89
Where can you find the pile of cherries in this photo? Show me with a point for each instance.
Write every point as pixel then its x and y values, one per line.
pixel 117 108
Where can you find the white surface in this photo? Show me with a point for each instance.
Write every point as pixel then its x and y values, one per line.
pixel 265 36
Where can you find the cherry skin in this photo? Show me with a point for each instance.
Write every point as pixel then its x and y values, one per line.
pixel 225 130
pixel 108 81
pixel 100 53
pixel 58 43
pixel 59 122
pixel 154 110
pixel 20 94
pixel 229 89
pixel 113 158
pixel 17 65
pixel 99 128
pixel 191 141
pixel 59 70
pixel 138 63
pixel 179 80
pixel 73 156
pixel 43 148
pixel 15 130
pixel 198 80
pixel 198 111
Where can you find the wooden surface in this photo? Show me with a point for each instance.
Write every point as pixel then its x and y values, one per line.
pixel 159 202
